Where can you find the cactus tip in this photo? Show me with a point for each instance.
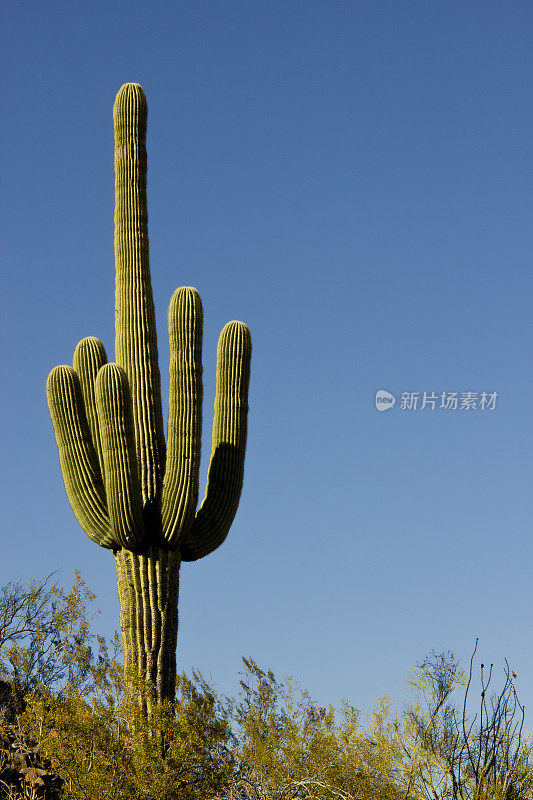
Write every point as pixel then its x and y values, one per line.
pixel 131 89
pixel 130 93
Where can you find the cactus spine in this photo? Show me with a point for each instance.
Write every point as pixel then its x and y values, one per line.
pixel 131 493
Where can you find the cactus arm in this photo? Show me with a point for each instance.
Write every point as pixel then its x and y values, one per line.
pixel 226 469
pixel 180 486
pixel 135 332
pixel 79 462
pixel 89 356
pixel 113 403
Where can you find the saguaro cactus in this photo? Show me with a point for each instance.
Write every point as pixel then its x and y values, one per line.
pixel 130 493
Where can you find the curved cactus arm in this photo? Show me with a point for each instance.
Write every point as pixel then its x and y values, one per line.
pixel 180 485
pixel 135 332
pixel 113 403
pixel 226 469
pixel 89 356
pixel 79 463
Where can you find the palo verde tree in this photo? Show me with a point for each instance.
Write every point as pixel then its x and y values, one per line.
pixel 132 492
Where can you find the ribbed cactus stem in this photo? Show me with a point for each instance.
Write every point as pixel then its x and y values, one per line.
pixel 180 488
pixel 135 331
pixel 89 357
pixel 122 487
pixel 77 455
pixel 226 469
pixel 148 585
pixel 125 493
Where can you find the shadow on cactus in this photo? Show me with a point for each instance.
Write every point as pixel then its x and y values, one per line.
pixel 132 492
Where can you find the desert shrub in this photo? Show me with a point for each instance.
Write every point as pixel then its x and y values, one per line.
pixel 105 750
pixel 288 747
pixel 273 742
pixel 84 721
pixel 45 634
pixel 442 746
pixel 437 748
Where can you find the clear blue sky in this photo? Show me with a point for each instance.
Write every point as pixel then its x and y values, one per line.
pixel 353 180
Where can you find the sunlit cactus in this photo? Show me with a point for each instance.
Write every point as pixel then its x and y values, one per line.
pixel 130 491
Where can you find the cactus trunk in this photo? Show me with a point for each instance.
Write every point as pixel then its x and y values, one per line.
pixel 148 586
pixel 131 492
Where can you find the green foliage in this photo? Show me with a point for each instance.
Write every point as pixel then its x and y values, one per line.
pixel 88 721
pixel 45 634
pixel 439 748
pixel 289 747
pixel 103 749
pixel 271 743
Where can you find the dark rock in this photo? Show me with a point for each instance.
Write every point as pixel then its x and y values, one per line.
pixel 9 775
pixel 32 774
pixel 21 760
pixel 23 765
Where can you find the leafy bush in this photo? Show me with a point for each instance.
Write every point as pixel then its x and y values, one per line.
pixel 271 743
pixel 103 749
pixel 288 747
pixel 45 634
pixel 436 749
pixel 439 748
